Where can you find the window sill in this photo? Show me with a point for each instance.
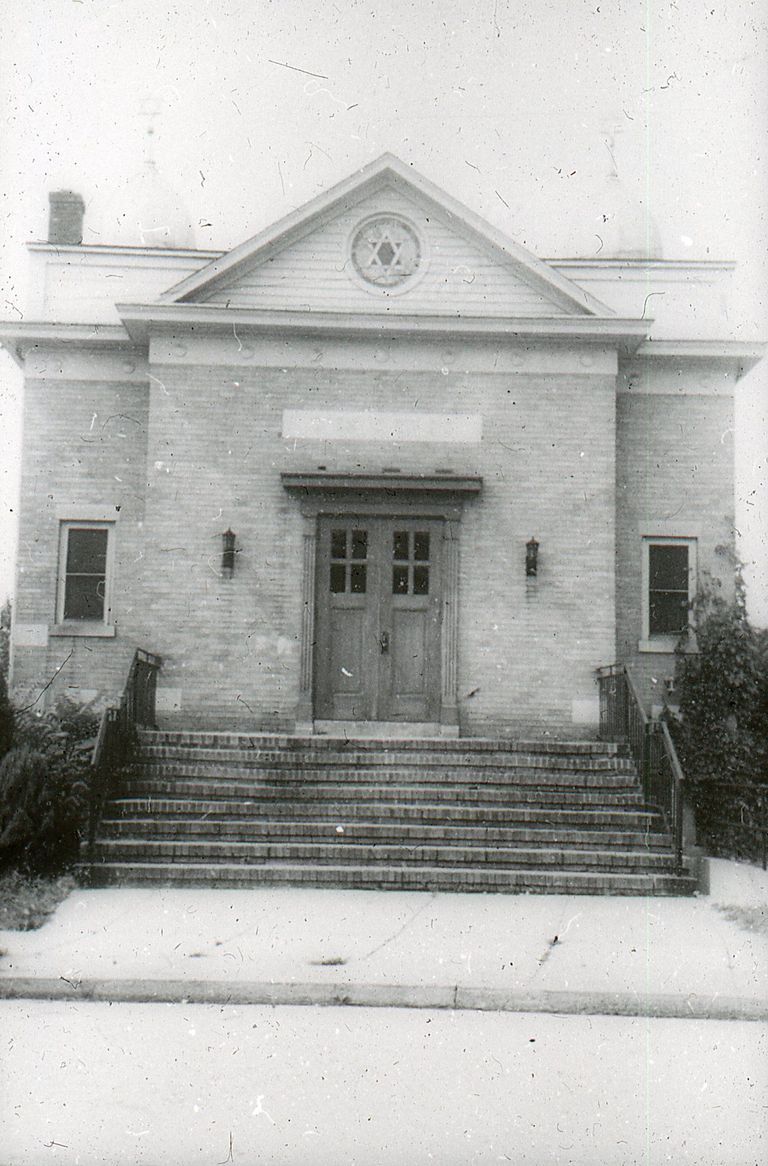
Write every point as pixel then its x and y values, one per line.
pixel 102 631
pixel 665 645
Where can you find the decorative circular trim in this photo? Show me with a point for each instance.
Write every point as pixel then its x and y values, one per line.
pixel 386 254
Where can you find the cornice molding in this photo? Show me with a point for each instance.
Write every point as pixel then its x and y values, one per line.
pixel 141 320
pixel 741 355
pixel 19 338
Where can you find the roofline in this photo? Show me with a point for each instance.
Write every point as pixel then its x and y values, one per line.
pixel 127 249
pixel 641 264
pixel 218 253
pixel 387 168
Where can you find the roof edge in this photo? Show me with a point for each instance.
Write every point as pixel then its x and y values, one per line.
pixel 388 168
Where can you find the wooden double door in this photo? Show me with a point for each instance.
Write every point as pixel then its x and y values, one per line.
pixel 378 619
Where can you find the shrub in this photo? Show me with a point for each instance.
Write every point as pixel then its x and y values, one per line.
pixel 6 710
pixel 6 718
pixel 27 901
pixel 44 782
pixel 5 639
pixel 721 730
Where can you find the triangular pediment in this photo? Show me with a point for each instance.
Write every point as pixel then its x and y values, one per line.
pixel 386 241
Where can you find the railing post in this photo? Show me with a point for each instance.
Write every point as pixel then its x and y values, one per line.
pixel 623 716
pixel 678 791
pixel 117 734
pixel 646 764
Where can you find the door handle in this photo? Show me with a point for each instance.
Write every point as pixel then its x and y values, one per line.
pixel 384 643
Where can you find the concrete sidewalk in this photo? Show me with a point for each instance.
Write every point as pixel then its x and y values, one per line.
pixel 698 957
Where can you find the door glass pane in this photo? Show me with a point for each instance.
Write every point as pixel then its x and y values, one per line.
pixel 338 577
pixel 421 545
pixel 399 580
pixel 400 544
pixel 421 580
pixel 357 578
pixel 338 544
pixel 359 544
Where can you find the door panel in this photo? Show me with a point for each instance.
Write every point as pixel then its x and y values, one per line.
pixel 347 628
pixel 409 680
pixel 378 608
pixel 346 613
pixel 408 653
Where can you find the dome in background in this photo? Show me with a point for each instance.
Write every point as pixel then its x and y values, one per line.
pixel 147 212
pixel 602 217
pixel 624 225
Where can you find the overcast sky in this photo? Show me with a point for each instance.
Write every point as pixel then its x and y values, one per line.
pixel 504 103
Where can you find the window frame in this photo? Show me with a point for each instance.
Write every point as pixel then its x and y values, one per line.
pixel 85 627
pixel 661 642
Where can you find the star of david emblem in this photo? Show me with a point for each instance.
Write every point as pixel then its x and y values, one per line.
pixel 385 252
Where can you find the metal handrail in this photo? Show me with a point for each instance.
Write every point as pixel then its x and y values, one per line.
pixel 623 718
pixel 116 739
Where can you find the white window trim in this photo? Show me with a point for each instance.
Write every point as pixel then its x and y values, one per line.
pixel 84 627
pixel 665 644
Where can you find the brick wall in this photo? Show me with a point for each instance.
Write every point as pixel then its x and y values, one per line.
pixel 209 452
pixel 674 475
pixel 85 446
pixel 215 455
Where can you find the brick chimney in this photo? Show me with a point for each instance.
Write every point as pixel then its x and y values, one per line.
pixel 65 221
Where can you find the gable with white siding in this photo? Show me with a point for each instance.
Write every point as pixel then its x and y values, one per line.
pixel 458 275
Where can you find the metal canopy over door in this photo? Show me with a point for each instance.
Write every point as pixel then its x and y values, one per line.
pixel 378 619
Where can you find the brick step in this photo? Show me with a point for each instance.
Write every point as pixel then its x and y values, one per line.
pixel 352 792
pixel 641 818
pixel 382 759
pixel 339 852
pixel 410 775
pixel 327 743
pixel 424 878
pixel 256 829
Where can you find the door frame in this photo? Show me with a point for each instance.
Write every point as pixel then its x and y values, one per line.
pixel 385 495
pixel 374 611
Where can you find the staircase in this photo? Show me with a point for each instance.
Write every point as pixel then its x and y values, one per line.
pixel 233 810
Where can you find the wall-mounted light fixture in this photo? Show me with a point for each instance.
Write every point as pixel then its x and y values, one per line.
pixel 531 559
pixel 228 554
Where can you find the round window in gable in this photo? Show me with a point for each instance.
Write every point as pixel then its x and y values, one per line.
pixel 386 252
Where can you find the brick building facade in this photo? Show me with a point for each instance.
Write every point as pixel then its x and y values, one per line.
pixel 379 463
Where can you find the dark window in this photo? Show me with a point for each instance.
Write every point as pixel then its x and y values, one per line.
pixel 349 550
pixel 85 573
pixel 399 580
pixel 668 573
pixel 400 545
pixel 421 580
pixel 359 544
pixel 357 579
pixel 421 545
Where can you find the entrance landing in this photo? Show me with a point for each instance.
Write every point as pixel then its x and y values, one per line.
pixel 386 730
